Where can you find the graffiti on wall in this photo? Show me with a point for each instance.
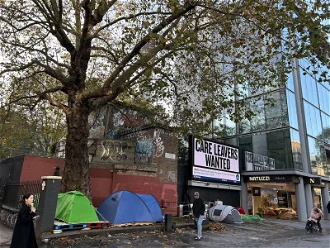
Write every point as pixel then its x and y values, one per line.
pixel 124 121
pixel 171 176
pixel 144 151
pixel 110 151
pixel 148 147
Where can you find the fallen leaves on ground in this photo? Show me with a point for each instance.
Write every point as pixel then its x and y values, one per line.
pixel 217 227
pixel 179 230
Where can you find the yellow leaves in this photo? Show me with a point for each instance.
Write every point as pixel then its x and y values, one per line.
pixel 145 24
pixel 246 12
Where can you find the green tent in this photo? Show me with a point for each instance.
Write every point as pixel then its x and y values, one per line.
pixel 74 207
pixel 252 217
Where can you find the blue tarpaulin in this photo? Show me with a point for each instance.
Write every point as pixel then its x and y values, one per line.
pixel 125 207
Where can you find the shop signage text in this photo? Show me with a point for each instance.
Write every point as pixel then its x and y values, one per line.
pixel 312 180
pixel 270 179
pixel 259 179
pixel 256 162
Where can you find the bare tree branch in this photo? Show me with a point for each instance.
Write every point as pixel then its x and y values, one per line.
pixel 107 51
pixel 143 42
pixel 47 69
pixel 127 18
pixel 101 10
pixel 55 27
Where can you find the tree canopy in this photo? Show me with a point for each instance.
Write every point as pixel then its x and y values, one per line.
pixel 187 55
pixel 30 132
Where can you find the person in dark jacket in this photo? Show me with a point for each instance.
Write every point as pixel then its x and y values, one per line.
pixel 328 207
pixel 23 235
pixel 198 212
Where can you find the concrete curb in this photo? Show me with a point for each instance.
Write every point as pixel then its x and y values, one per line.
pixel 102 232
pixel 114 230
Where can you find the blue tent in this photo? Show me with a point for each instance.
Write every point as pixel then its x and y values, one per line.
pixel 125 206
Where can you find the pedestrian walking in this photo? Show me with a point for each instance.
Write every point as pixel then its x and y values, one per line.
pixel 328 207
pixel 198 212
pixel 24 235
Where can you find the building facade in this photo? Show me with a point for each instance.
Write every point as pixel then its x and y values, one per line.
pixel 285 148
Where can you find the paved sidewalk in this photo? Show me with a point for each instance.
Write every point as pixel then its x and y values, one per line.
pixel 272 233
pixel 5 235
pixel 296 224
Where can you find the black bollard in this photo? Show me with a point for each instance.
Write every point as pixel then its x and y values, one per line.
pixel 168 223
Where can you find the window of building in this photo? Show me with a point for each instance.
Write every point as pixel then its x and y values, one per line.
pixel 289 83
pixel 279 148
pixel 270 113
pixel 313 120
pixel 225 125
pixel 324 96
pixel 245 142
pixel 244 126
pixel 231 141
pixel 292 109
pixel 318 157
pixel 309 90
pixel 277 114
pixel 326 127
pixel 281 145
pixel 258 122
pixel 259 144
pixel 229 125
pixel 296 149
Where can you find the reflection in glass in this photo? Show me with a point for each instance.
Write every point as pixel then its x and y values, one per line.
pixel 296 149
pixel 308 84
pixel 292 109
pixel 289 83
pixel 225 126
pixel 324 96
pixel 281 145
pixel 318 157
pixel 326 128
pixel 277 115
pixel 244 126
pixel 267 116
pixel 279 148
pixel 313 120
pixel 258 121
pixel 245 142
pixel 304 63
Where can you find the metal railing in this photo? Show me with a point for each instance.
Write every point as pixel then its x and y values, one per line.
pixel 13 193
pixel 2 188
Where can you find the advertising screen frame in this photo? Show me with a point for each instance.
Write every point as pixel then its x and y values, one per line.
pixel 200 172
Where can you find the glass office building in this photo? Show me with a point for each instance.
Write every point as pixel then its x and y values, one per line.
pixel 286 148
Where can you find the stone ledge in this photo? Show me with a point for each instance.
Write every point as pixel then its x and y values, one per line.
pixel 102 232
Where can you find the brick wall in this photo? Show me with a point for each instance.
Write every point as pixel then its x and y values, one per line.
pixel 104 182
pixel 34 167
pixel 153 171
pixel 156 147
pixel 101 183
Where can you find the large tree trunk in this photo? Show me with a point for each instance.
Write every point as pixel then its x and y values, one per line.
pixel 76 172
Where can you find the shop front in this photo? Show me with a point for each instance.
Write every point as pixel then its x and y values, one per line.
pixel 272 196
pixel 317 186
